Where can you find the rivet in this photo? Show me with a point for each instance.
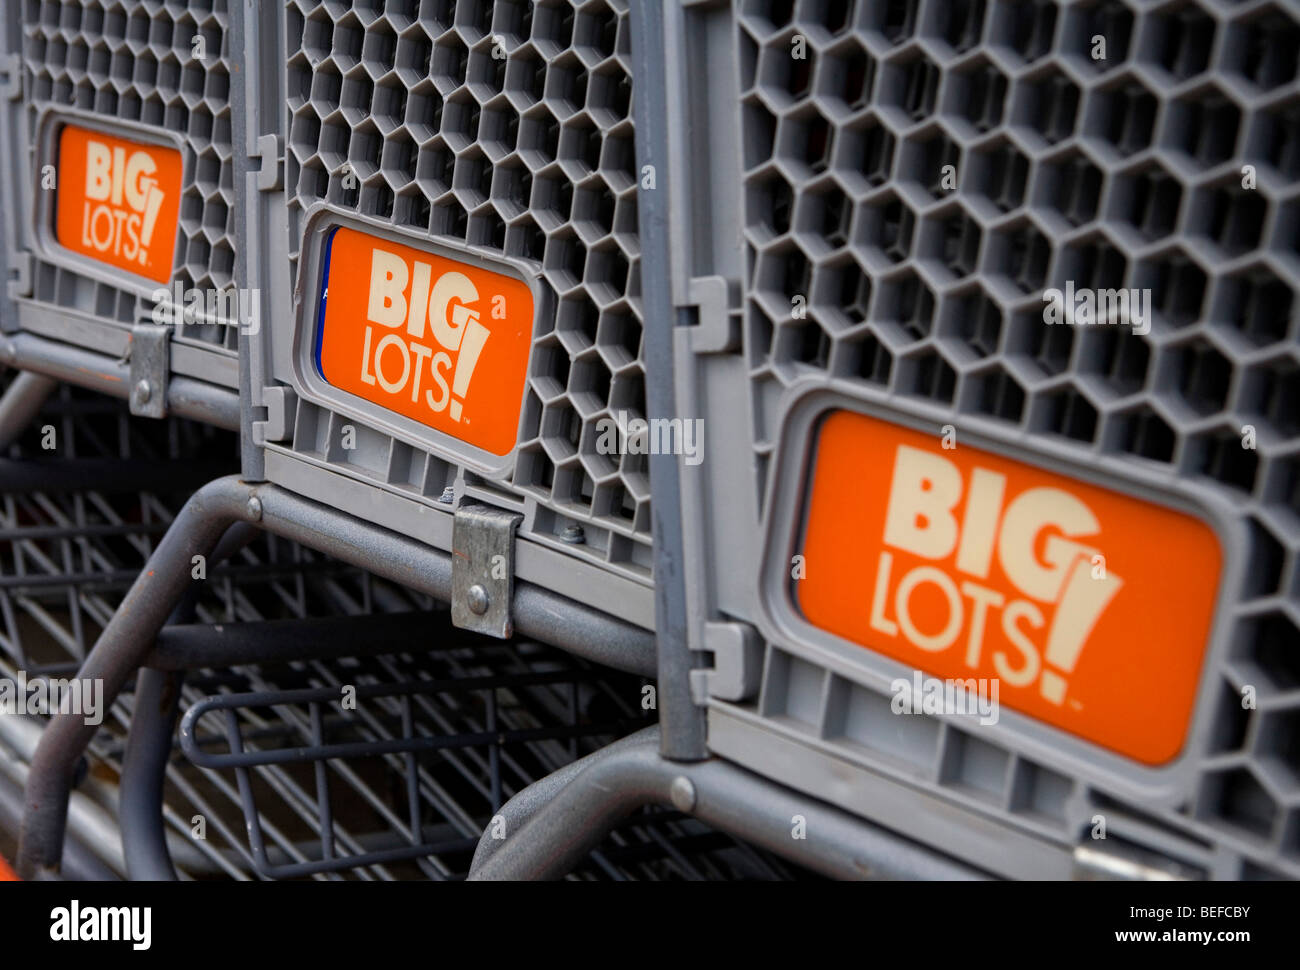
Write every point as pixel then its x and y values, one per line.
pixel 477 599
pixel 682 794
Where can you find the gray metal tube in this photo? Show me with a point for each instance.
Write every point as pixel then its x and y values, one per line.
pixel 149 745
pixel 192 646
pixel 144 771
pixel 245 115
pixel 79 863
pixel 106 474
pixel 125 643
pixel 118 653
pixel 186 397
pixel 520 809
pixel 682 719
pixel 22 399
pixel 614 783
pixel 538 614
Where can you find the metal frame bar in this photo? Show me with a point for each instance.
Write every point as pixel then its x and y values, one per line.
pixel 126 642
pixel 527 802
pixel 560 819
pixel 194 646
pixel 186 396
pixel 22 400
pixel 144 772
pixel 683 721
pixel 119 652
pixel 80 864
pixel 149 742
pixel 104 475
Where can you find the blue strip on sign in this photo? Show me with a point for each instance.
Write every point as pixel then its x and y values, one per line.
pixel 324 292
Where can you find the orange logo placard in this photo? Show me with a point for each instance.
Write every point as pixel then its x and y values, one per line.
pixel 435 339
pixel 1092 609
pixel 118 201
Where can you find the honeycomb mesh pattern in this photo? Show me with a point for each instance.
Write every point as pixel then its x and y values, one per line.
pixel 504 126
pixel 1134 171
pixel 136 60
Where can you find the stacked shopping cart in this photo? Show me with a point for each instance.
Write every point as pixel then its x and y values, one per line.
pixel 347 342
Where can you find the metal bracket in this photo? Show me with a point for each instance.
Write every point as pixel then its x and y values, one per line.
pixel 150 363
pixel 11 68
pixel 281 405
pixel 483 569
pixel 737 663
pixel 269 151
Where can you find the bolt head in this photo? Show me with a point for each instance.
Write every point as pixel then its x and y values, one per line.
pixel 255 508
pixel 448 495
pixel 477 600
pixel 682 794
pixel 573 534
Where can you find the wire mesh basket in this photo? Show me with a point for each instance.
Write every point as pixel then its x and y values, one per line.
pixel 391 766
pixel 289 774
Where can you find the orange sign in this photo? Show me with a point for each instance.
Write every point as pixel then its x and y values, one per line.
pixel 435 339
pixel 1092 609
pixel 118 201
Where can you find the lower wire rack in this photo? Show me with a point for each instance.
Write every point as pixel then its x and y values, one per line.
pixel 383 757
pixel 392 766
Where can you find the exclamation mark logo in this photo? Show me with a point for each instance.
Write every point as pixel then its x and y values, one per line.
pixel 151 207
pixel 1084 600
pixel 471 346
